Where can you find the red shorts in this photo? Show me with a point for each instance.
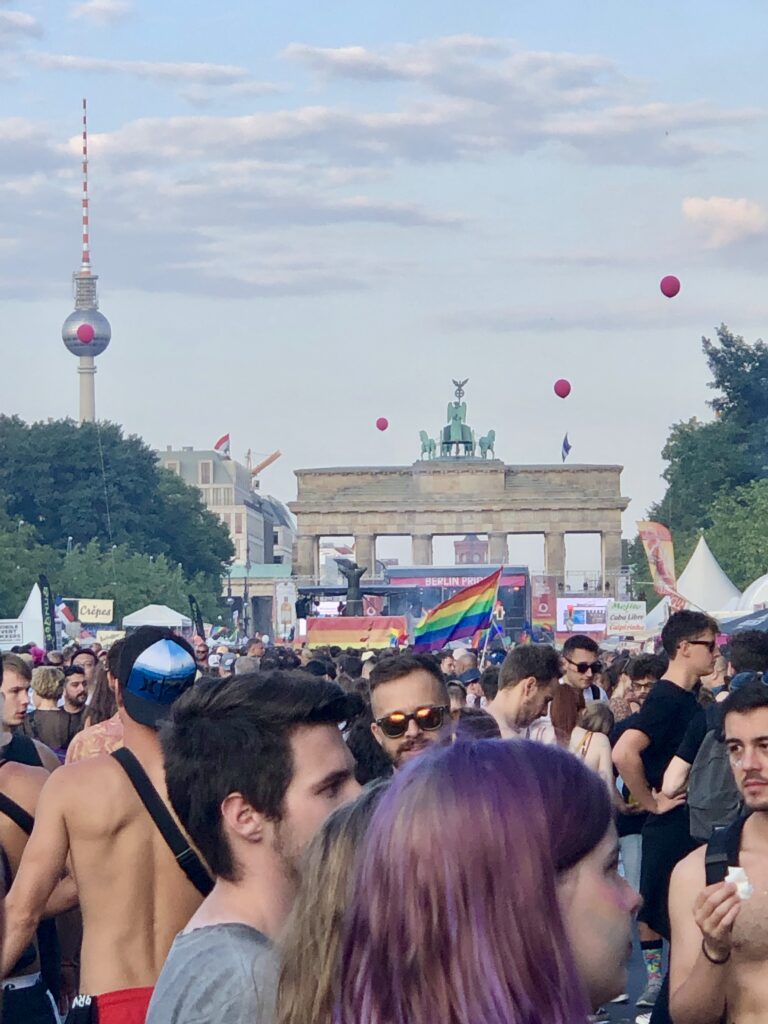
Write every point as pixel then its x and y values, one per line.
pixel 128 1006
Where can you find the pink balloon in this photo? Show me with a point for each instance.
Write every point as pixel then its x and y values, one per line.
pixel 382 423
pixel 85 333
pixel 670 286
pixel 562 388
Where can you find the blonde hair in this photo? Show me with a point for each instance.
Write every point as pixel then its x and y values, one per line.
pixel 311 943
pixel 597 717
pixel 48 682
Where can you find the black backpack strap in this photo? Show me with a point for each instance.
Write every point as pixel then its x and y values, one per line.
pixel 723 851
pixel 188 860
pixel 17 814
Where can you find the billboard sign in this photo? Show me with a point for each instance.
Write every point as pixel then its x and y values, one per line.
pixel 11 633
pixel 100 612
pixel 581 614
pixel 626 618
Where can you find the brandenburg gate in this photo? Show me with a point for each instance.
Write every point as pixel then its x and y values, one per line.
pixel 457 488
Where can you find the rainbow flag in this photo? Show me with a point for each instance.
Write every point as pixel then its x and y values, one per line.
pixel 462 615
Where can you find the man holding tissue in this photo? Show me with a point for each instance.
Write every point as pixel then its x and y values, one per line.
pixel 718 898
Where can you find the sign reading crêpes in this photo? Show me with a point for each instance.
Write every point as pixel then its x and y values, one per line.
pixel 95 611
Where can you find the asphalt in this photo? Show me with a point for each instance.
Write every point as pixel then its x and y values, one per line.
pixel 625 1013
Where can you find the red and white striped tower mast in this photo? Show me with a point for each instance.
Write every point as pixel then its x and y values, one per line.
pixel 86 331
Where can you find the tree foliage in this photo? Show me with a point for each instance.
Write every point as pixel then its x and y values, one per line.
pixel 82 483
pixel 738 535
pixel 716 471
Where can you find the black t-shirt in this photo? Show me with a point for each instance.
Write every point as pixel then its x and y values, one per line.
pixel 697 730
pixel 664 718
pixel 627 824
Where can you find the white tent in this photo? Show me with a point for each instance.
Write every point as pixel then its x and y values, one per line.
pixel 704 584
pixel 755 596
pixel 157 615
pixel 32 618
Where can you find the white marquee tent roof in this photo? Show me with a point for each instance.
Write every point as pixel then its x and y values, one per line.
pixel 705 585
pixel 755 596
pixel 157 615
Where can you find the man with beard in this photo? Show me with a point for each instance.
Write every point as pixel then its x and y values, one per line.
pixel 527 681
pixel 719 931
pixel 254 765
pixel 410 705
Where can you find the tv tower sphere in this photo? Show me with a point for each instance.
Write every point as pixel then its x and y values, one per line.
pixel 75 338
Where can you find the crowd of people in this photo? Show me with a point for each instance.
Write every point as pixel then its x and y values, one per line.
pixel 280 836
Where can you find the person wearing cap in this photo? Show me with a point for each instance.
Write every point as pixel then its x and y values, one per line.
pixel 251 808
pixel 471 680
pixel 134 893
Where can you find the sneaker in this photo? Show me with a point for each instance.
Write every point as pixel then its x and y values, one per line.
pixel 643 1018
pixel 623 998
pixel 651 993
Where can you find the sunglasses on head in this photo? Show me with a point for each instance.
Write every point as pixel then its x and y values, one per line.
pixel 427 718
pixel 582 667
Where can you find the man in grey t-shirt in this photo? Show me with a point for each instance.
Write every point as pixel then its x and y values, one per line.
pixel 253 765
pixel 223 972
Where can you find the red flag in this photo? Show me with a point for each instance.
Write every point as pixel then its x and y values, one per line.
pixel 222 446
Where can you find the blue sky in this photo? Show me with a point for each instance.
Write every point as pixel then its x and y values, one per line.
pixel 306 216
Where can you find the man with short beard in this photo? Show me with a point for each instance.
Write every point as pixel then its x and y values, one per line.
pixel 719 935
pixel 411 706
pixel 253 765
pixel 527 681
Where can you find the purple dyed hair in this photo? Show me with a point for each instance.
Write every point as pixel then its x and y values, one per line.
pixel 455 917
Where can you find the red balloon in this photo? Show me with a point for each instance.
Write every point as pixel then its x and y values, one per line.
pixel 562 388
pixel 382 423
pixel 85 333
pixel 670 286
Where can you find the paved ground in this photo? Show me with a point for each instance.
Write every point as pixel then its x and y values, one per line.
pixel 626 1013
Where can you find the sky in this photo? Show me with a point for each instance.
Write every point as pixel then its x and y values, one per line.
pixel 307 216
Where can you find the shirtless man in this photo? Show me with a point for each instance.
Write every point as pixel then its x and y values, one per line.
pixel 134 896
pixel 25 995
pixel 719 942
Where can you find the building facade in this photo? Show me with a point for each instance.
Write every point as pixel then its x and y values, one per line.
pixel 260 527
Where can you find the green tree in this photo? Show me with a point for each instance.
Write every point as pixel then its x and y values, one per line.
pixel 78 483
pixel 22 559
pixel 132 580
pixel 738 535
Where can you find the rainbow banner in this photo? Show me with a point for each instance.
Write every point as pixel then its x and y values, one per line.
pixel 462 615
pixel 368 631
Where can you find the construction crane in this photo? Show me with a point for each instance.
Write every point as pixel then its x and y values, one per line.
pixel 255 470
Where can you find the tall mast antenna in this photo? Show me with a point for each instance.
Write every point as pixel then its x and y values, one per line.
pixel 85 266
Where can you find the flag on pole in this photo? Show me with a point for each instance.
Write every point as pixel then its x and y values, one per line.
pixel 462 615
pixel 222 446
pixel 660 552
pixel 566 448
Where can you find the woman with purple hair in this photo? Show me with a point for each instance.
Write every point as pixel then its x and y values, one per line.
pixel 488 892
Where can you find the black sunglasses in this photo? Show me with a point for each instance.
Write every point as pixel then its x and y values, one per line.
pixel 582 667
pixel 709 644
pixel 427 718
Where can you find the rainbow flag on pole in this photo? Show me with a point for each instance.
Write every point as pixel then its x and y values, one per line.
pixel 462 615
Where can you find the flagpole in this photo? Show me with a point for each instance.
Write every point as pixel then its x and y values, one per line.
pixel 488 631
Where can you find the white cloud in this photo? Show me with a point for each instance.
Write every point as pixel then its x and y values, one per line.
pixel 102 12
pixel 15 25
pixel 198 73
pixel 725 220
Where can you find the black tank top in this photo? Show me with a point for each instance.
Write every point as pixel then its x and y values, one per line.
pixel 22 750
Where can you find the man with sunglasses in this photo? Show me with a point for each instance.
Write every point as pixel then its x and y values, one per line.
pixel 581 665
pixel 410 705
pixel 642 755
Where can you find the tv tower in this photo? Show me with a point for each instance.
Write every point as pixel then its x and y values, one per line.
pixel 86 331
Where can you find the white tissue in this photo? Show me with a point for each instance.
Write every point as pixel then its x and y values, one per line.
pixel 738 877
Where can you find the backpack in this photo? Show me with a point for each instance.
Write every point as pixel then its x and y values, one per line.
pixel 713 799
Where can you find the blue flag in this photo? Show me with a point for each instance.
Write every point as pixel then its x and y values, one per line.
pixel 566 448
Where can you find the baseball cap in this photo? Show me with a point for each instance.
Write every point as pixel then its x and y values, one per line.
pixel 745 679
pixel 228 661
pixel 156 667
pixel 470 676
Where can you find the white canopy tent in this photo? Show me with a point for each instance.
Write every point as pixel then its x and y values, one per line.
pixel 755 596
pixel 704 584
pixel 158 615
